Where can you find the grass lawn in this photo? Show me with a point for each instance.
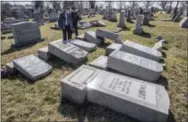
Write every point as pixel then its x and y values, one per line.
pixel 41 101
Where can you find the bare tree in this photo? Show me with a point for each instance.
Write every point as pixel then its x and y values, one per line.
pixel 133 4
pixel 175 10
pixel 92 4
pixel 170 8
pixel 148 4
pixel 163 4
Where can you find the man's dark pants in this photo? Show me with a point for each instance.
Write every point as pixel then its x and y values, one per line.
pixel 76 28
pixel 67 31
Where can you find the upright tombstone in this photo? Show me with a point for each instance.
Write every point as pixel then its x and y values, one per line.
pixel 138 26
pixel 138 99
pixel 184 23
pixel 121 23
pixel 113 16
pixel 38 16
pixel 67 52
pixel 109 35
pixel 133 65
pixel 32 67
pixel 53 16
pixel 129 16
pixel 146 18
pixel 25 33
pixel 141 50
pixel 90 36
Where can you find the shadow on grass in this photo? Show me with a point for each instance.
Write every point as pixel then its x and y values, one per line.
pixel 106 44
pixel 91 112
pixel 149 25
pixel 164 54
pixel 130 22
pixel 171 117
pixel 163 81
pixel 145 35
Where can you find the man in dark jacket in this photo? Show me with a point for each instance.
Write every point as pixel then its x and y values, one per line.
pixel 65 23
pixel 76 18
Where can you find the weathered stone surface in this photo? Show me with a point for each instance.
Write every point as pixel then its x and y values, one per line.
pixel 138 99
pixel 89 47
pixel 112 47
pixel 100 62
pixel 44 54
pixel 26 33
pixel 138 26
pixel 81 37
pixel 121 23
pixel 32 67
pixel 134 65
pixel 184 23
pixel 158 45
pixel 67 52
pixel 97 23
pixel 84 25
pixel 90 36
pixel 53 16
pixel 141 50
pixel 10 68
pixel 73 86
pixel 109 35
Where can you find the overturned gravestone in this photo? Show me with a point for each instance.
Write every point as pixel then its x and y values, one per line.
pixel 158 45
pixel 109 35
pixel 121 23
pixel 135 66
pixel 67 52
pixel 138 26
pixel 81 37
pixel 117 30
pixel 184 23
pixel 32 67
pixel 73 86
pixel 97 23
pixel 113 47
pixel 138 99
pixel 141 50
pixel 44 54
pixel 89 47
pixel 90 36
pixel 84 25
pixel 100 62
pixel 26 33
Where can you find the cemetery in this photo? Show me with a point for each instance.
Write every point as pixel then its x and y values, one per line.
pixel 127 63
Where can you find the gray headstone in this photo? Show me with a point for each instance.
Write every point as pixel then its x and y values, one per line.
pixel 135 66
pixel 109 35
pixel 141 50
pixel 121 23
pixel 44 54
pixel 67 52
pixel 26 33
pixel 87 46
pixel 138 99
pixel 81 37
pixel 73 86
pixel 184 23
pixel 100 62
pixel 113 47
pixel 138 26
pixel 53 16
pixel 129 16
pixel 90 36
pixel 112 16
pixel 32 67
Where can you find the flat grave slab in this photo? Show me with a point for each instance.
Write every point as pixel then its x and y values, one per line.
pixel 135 66
pixel 113 47
pixel 90 36
pixel 100 62
pixel 138 99
pixel 67 52
pixel 141 50
pixel 87 46
pixel 32 67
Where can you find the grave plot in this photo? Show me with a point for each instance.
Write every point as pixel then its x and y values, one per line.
pixel 141 50
pixel 67 52
pixel 32 67
pixel 87 46
pixel 134 65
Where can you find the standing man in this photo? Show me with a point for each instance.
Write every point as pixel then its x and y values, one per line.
pixel 65 22
pixel 76 18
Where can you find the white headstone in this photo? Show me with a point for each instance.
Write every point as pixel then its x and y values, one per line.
pixel 141 50
pixel 135 66
pixel 121 23
pixel 100 62
pixel 158 45
pixel 138 26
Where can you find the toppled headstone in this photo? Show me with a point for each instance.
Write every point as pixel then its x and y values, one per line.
pixel 84 25
pixel 141 50
pixel 117 30
pixel 97 23
pixel 67 52
pixel 90 36
pixel 158 46
pixel 184 23
pixel 138 99
pixel 32 67
pixel 73 86
pixel 121 23
pixel 44 54
pixel 89 47
pixel 10 68
pixel 100 62
pixel 81 37
pixel 113 47
pixel 134 65
pixel 138 26
pixel 109 35
pixel 25 33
